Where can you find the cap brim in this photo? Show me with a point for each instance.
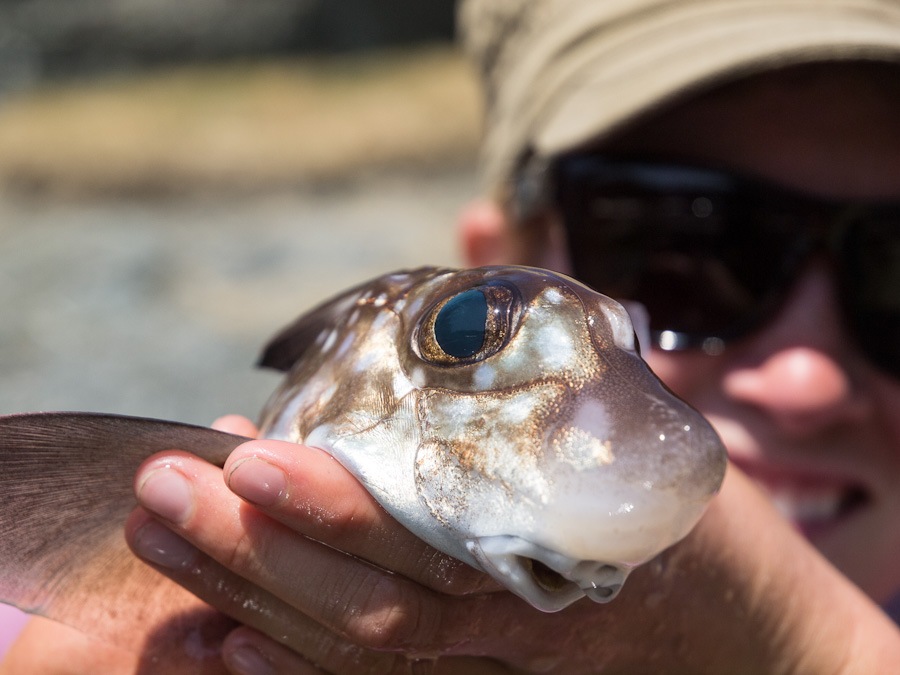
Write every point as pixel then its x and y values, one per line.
pixel 587 88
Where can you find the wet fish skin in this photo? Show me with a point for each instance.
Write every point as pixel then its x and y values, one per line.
pixel 553 445
pixel 551 457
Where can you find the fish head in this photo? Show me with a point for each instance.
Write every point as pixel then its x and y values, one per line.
pixel 504 415
pixel 547 446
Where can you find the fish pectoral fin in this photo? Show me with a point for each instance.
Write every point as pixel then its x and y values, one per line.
pixel 66 486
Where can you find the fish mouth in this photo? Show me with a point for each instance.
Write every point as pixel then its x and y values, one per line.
pixel 549 580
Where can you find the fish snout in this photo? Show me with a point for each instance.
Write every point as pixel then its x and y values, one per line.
pixel 547 579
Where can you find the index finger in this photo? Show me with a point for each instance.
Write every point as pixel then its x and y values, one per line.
pixel 338 510
pixel 312 494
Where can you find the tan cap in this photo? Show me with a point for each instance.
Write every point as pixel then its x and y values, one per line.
pixel 561 73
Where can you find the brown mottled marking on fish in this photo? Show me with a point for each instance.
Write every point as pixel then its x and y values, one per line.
pixel 544 437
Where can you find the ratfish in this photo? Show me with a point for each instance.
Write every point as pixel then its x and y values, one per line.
pixel 501 414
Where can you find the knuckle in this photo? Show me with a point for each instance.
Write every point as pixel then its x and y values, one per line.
pixel 243 554
pixel 392 614
pixel 349 522
pixel 339 522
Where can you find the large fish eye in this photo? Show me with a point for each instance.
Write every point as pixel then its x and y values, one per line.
pixel 467 327
pixel 460 325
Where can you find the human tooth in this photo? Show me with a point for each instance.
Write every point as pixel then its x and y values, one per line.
pixel 805 506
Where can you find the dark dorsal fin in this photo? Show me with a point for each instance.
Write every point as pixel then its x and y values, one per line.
pixel 289 344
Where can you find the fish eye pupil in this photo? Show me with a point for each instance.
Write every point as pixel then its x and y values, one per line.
pixel 459 327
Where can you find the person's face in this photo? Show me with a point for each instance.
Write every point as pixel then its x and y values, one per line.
pixel 799 408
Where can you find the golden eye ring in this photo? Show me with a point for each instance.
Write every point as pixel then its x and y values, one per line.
pixel 467 327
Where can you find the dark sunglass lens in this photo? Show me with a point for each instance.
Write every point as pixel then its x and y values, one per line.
pixel 685 242
pixel 871 283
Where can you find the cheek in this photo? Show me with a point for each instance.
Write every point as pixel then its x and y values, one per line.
pixel 693 377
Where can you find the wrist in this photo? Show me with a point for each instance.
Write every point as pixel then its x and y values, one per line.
pixel 756 593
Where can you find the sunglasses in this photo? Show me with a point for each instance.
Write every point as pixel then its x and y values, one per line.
pixel 713 254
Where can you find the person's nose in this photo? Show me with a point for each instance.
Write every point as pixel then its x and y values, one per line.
pixel 801 369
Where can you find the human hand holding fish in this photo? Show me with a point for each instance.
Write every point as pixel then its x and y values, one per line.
pixel 702 606
pixel 492 464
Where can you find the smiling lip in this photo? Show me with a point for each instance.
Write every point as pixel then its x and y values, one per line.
pixel 813 503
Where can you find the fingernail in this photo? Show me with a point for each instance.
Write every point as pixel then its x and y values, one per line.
pixel 156 543
pixel 258 482
pixel 248 660
pixel 168 494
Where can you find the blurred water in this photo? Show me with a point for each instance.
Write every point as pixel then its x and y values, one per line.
pixel 160 308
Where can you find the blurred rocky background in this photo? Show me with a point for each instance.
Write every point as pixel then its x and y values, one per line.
pixel 41 38
pixel 180 178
